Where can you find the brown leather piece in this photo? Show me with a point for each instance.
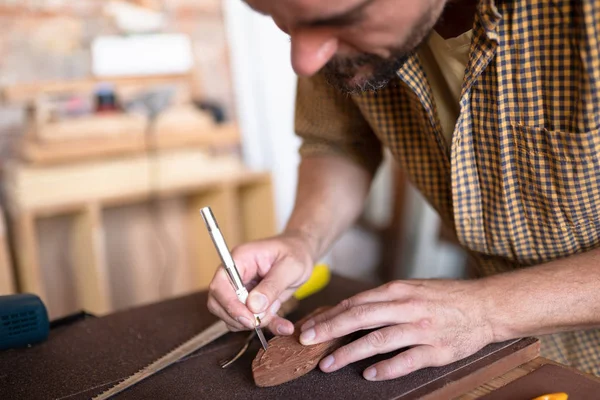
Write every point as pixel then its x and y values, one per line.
pixel 84 359
pixel 549 379
pixel 287 359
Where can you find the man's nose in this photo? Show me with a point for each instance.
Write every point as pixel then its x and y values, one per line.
pixel 311 50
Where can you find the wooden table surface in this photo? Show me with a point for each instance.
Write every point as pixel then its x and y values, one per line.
pixel 510 376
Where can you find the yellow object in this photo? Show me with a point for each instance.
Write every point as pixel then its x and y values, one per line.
pixel 318 280
pixel 553 396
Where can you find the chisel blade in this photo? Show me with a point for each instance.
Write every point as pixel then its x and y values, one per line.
pixel 261 337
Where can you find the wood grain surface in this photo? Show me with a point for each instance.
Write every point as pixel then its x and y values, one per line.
pixel 287 359
pixel 511 376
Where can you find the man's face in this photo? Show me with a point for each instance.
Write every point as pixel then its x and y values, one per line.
pixel 358 44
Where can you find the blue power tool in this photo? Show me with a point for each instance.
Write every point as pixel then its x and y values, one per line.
pixel 23 321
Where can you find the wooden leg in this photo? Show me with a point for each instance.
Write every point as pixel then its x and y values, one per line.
pixel 91 272
pixel 7 285
pixel 393 235
pixel 27 258
pixel 222 201
pixel 257 209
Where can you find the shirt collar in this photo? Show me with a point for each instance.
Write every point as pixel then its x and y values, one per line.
pixel 489 17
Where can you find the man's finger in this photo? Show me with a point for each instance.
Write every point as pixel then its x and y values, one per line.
pixel 230 308
pixel 411 360
pixel 360 317
pixel 281 326
pixel 236 328
pixel 377 295
pixel 377 342
pixel 281 277
pixel 216 309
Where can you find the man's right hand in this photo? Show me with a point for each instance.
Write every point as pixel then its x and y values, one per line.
pixel 272 269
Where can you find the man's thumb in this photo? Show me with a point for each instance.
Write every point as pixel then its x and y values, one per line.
pixel 279 278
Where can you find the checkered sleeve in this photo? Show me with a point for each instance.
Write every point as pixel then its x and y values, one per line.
pixel 329 122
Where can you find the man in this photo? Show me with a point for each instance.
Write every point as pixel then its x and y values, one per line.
pixel 492 108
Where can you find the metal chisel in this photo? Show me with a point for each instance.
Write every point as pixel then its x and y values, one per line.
pixel 230 268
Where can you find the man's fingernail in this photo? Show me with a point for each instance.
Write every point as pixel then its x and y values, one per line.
pixel 275 307
pixel 327 362
pixel 285 330
pixel 307 336
pixel 246 322
pixel 258 301
pixel 370 373
pixel 308 324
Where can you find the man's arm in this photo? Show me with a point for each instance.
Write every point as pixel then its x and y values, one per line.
pixel 330 196
pixel 442 321
pixel 557 296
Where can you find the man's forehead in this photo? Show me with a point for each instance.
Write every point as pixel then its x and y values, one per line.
pixel 303 9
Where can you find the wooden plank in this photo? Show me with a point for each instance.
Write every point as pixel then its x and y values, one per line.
pixel 116 126
pixel 38 189
pixel 257 208
pixel 90 269
pixel 222 200
pixel 394 235
pixel 511 376
pixel 7 284
pixel 31 9
pixel 502 380
pixel 214 137
pixel 28 92
pixel 27 261
pixel 37 153
pixel 477 373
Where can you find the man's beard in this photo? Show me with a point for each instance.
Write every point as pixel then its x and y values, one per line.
pixel 343 72
pixel 339 72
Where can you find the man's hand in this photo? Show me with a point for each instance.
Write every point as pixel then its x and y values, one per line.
pixel 439 321
pixel 272 270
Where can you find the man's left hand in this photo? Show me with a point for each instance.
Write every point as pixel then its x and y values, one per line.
pixel 438 321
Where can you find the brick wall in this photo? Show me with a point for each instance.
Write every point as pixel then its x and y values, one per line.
pixel 50 40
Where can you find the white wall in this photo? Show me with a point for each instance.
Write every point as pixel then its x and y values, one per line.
pixel 265 89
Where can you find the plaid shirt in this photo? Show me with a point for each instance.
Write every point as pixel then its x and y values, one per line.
pixel 520 182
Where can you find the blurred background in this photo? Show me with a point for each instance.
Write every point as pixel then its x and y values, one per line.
pixel 119 120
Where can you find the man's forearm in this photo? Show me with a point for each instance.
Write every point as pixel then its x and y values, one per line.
pixel 558 296
pixel 330 196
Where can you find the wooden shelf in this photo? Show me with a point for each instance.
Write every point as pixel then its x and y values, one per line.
pixel 48 154
pixel 241 199
pixel 28 92
pixel 23 10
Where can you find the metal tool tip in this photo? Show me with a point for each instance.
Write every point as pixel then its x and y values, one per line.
pixel 261 337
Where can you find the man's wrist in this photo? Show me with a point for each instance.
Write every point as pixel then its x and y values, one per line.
pixel 310 241
pixel 486 294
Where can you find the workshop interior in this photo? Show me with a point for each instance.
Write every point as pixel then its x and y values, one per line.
pixel 140 142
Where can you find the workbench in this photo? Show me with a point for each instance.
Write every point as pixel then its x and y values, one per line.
pixel 85 357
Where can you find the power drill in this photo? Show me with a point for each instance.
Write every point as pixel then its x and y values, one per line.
pixel 23 321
